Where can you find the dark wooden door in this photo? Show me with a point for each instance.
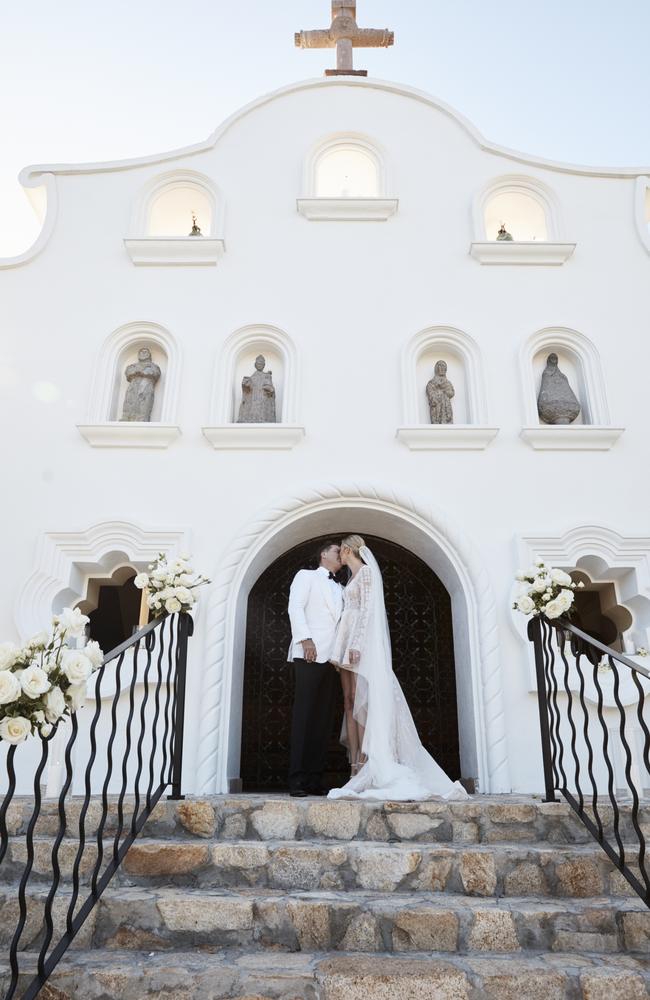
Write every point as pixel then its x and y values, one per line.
pixel 419 615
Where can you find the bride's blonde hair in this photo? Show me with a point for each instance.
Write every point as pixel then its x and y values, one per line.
pixel 355 543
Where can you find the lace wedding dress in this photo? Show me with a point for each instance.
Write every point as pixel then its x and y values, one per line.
pixel 398 767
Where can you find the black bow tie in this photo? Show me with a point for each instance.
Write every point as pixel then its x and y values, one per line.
pixel 330 576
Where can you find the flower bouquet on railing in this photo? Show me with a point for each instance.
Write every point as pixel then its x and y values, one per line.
pixel 545 591
pixel 45 680
pixel 171 586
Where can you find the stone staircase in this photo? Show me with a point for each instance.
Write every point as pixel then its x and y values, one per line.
pixel 256 897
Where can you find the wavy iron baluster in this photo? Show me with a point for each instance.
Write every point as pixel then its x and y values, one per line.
pixel 640 705
pixel 555 710
pixel 125 757
pixel 164 778
pixel 154 727
pixel 109 772
pixel 610 770
pixel 149 644
pixel 590 749
pixel 628 761
pixel 6 802
pixel 574 732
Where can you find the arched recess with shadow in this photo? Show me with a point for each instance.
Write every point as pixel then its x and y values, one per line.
pixel 420 619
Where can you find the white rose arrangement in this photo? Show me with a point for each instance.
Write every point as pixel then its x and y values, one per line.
pixel 171 585
pixel 546 591
pixel 45 680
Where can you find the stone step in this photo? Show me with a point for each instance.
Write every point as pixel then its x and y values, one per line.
pixel 574 871
pixel 308 976
pixel 189 919
pixel 481 819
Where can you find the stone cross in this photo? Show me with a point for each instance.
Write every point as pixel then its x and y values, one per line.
pixel 345 35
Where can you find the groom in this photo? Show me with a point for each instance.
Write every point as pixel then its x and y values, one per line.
pixel 315 605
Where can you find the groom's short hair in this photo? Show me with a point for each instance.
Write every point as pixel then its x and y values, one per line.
pixel 324 547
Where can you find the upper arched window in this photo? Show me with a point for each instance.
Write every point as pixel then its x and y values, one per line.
pixel 517 220
pixel 177 219
pixel 345 178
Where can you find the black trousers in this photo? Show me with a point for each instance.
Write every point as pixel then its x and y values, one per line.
pixel 311 723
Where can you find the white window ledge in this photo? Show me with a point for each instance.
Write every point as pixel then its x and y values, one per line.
pixel 447 437
pixel 513 252
pixel 571 437
pixel 129 434
pixel 175 250
pixel 347 209
pixel 241 437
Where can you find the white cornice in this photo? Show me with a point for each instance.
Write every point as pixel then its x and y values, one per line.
pixel 347 209
pixel 521 252
pixel 447 437
pixel 28 175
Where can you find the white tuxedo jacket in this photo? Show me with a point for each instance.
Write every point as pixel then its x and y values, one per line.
pixel 315 606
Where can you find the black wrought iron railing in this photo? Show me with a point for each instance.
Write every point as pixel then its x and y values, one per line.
pixel 595 739
pixel 119 760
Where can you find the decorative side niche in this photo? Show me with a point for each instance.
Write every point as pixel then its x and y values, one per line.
pixel 470 430
pixel 104 428
pixel 167 211
pixel 578 359
pixel 529 212
pixel 345 180
pixel 642 210
pixel 237 361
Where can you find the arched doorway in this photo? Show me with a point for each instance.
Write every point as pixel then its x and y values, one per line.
pixel 420 618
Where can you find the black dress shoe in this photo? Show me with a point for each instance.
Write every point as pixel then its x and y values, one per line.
pixel 316 791
pixel 298 793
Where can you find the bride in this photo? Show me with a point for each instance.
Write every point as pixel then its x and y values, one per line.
pixel 386 756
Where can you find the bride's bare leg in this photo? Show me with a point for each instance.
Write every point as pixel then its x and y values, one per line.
pixel 348 684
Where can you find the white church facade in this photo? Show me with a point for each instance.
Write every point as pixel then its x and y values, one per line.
pixel 348 235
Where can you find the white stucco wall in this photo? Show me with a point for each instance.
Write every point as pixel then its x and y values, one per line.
pixel 350 296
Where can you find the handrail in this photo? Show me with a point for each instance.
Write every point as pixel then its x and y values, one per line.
pixel 578 757
pixel 113 742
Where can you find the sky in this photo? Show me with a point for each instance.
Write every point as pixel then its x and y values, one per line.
pixel 87 80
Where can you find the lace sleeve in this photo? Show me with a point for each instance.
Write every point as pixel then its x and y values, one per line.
pixel 365 595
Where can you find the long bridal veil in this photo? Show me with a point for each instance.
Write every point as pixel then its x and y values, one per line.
pixel 398 767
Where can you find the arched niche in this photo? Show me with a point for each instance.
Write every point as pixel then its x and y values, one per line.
pixel 580 362
pixel 104 427
pixel 530 212
pixel 470 428
pixel 345 178
pixel 162 220
pixel 642 210
pixel 237 359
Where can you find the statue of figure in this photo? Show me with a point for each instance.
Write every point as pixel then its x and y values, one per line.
pixel 503 234
pixel 557 403
pixel 440 392
pixel 258 396
pixel 142 377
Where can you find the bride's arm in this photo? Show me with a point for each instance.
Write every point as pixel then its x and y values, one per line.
pixel 361 624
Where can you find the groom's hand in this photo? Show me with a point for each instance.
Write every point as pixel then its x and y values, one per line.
pixel 355 656
pixel 309 649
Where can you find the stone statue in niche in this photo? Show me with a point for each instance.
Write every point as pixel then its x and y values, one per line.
pixel 557 403
pixel 142 377
pixel 503 235
pixel 440 393
pixel 258 396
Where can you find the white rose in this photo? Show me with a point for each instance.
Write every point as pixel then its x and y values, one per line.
pixel 566 597
pixel 561 578
pixel 9 654
pixel 76 695
pixel 94 653
pixel 15 730
pixel 54 705
pixel 39 641
pixel 38 716
pixel 141 581
pixel 10 689
pixel 540 585
pixel 165 593
pixel 76 665
pixel 172 605
pixel 45 729
pixel 186 579
pixel 553 609
pixel 72 623
pixel 34 682
pixel 160 573
pixel 184 595
pixel 526 604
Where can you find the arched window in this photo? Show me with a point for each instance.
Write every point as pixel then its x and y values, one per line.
pixel 464 370
pixel 237 361
pixel 517 220
pixel 105 427
pixel 345 178
pixel 177 219
pixel 578 360
pixel 115 607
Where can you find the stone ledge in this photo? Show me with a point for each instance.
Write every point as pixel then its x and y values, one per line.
pixel 571 437
pixel 127 434
pixel 446 437
pixel 242 437
pixel 347 209
pixel 174 250
pixel 514 252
